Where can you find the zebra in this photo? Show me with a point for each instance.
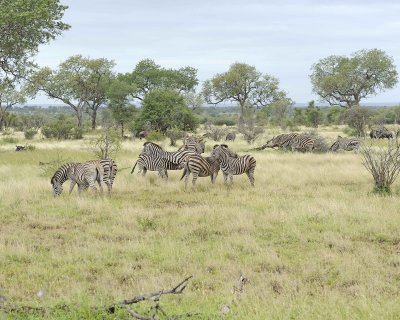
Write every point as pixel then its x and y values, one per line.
pixel 347 144
pixel 147 162
pixel 302 142
pixel 200 167
pixel 281 141
pixel 232 164
pixel 194 144
pixel 83 174
pixel 231 136
pixel 156 151
pixel 110 169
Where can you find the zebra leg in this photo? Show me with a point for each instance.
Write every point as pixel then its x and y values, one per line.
pixel 231 178
pixel 144 172
pixel 187 178
pixel 225 178
pixel 250 174
pixel 71 186
pixel 195 175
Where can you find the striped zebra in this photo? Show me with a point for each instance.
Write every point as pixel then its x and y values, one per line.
pixel 231 136
pixel 232 164
pixel 302 142
pixel 83 174
pixel 193 143
pixel 110 169
pixel 199 166
pixel 146 162
pixel 156 151
pixel 347 144
pixel 283 140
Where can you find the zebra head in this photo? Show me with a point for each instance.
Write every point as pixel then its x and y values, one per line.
pixel 57 186
pixel 222 152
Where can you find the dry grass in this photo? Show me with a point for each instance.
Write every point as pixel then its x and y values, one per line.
pixel 312 238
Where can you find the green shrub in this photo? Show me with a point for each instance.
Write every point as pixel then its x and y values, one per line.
pixel 227 122
pixel 10 140
pixel 62 129
pixel 30 133
pixel 155 136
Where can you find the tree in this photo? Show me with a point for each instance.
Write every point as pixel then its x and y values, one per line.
pixel 79 82
pixel 243 84
pixel 9 97
pixel 344 81
pixel 314 115
pixel 356 118
pixel 165 109
pixel 148 76
pixel 24 25
pixel 280 111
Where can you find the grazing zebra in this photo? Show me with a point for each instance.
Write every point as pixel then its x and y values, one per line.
pixel 231 136
pixel 147 162
pixel 347 144
pixel 83 174
pixel 156 151
pixel 200 167
pixel 302 142
pixel 232 164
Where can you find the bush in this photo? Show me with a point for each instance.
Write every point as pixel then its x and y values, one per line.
pixel 62 129
pixel 227 122
pixel 155 135
pixel 30 133
pixel 10 140
pixel 107 144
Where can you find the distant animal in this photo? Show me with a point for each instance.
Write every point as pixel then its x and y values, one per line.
pixel 20 148
pixel 142 135
pixel 347 144
pixel 380 134
pixel 283 141
pixel 231 136
pixel 147 162
pixel 232 164
pixel 199 166
pixel 193 143
pixel 302 142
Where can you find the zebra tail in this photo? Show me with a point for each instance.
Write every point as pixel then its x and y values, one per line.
pixel 133 169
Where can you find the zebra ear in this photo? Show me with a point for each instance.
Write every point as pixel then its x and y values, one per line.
pixel 215 146
pixel 224 145
pixel 339 137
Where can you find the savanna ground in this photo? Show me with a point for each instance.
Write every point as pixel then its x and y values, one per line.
pixel 311 237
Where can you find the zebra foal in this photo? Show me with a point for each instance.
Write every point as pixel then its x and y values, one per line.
pixel 232 164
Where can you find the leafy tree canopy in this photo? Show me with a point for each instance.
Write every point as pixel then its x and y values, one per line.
pixel 242 83
pixel 344 81
pixel 164 109
pixel 24 25
pixel 148 76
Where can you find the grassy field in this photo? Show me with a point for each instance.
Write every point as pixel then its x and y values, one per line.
pixel 311 237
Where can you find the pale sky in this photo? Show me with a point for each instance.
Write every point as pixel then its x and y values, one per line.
pixel 281 38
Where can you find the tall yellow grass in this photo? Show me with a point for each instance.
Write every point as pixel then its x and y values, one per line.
pixel 312 239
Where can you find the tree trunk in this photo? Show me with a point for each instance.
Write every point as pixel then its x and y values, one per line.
pixel 79 117
pixel 122 129
pixel 94 115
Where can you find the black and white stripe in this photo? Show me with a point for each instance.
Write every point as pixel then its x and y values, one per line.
pixel 147 162
pixel 232 164
pixel 347 144
pixel 156 151
pixel 302 142
pixel 83 174
pixel 199 166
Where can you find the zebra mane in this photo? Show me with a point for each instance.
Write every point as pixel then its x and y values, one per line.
pixel 60 172
pixel 153 144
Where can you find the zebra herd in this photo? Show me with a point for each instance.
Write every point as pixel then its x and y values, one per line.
pixel 306 142
pixel 189 158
